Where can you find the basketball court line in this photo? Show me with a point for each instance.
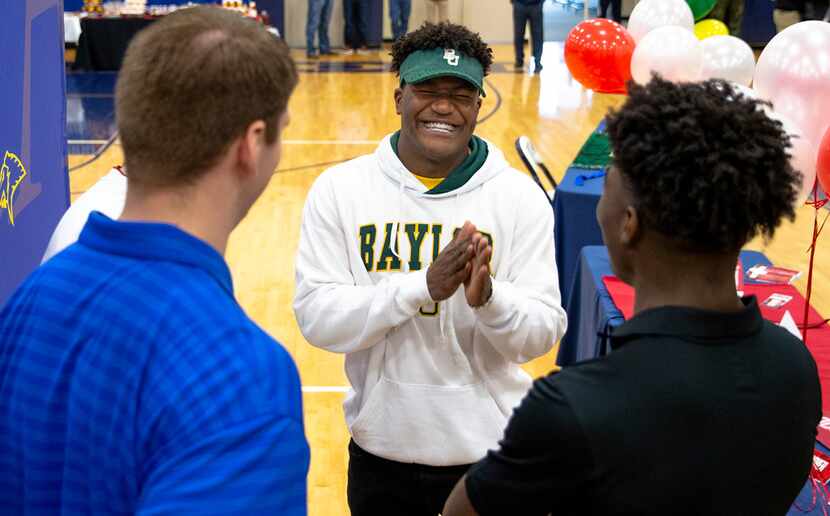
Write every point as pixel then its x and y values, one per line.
pixel 331 142
pixel 285 142
pixel 86 142
pixel 318 388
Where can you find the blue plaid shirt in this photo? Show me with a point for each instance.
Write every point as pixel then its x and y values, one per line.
pixel 132 382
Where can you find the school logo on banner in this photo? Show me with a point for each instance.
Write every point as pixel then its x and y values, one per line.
pixel 12 174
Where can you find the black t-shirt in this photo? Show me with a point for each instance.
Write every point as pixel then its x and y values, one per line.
pixel 694 412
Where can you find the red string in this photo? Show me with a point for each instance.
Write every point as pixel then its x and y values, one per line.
pixel 813 490
pixel 817 205
pixel 816 488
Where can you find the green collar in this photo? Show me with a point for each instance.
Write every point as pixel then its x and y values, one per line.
pixel 463 172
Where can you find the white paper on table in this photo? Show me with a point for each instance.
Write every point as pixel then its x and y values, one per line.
pixel 788 323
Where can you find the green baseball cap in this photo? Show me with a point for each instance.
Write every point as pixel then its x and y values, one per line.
pixel 424 65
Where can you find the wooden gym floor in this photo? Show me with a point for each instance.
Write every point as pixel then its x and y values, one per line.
pixel 340 109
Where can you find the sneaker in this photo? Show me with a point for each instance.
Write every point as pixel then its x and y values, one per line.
pixel 538 68
pixel 347 52
pixel 326 53
pixel 312 54
pixel 518 65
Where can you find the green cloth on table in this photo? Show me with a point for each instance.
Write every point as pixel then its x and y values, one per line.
pixel 596 153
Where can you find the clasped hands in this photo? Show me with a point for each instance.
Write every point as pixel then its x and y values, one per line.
pixel 466 260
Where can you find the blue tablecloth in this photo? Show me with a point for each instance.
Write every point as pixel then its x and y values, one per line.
pixel 592 314
pixel 575 223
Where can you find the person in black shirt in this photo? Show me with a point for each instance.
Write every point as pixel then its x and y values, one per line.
pixel 702 407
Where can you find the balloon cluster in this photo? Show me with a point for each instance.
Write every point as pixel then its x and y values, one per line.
pixel 793 71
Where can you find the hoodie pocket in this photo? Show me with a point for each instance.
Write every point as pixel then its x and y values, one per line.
pixel 428 424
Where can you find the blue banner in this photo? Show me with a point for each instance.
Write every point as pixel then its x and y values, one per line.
pixel 34 183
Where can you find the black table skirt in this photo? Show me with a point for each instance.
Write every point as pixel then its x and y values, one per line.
pixel 104 41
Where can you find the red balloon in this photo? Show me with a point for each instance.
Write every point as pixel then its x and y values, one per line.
pixel 823 165
pixel 598 54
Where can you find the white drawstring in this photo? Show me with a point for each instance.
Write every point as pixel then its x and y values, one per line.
pixel 446 314
pixel 397 226
pixel 441 324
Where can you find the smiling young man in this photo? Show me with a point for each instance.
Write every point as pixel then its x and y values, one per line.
pixel 433 312
pixel 702 407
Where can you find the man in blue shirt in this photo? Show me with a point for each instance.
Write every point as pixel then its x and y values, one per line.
pixel 130 379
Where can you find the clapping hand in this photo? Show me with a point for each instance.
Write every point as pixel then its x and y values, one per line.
pixel 466 260
pixel 452 266
pixel 478 287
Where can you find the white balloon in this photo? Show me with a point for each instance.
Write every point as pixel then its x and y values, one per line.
pixel 793 73
pixel 673 52
pixel 728 58
pixel 803 155
pixel 651 14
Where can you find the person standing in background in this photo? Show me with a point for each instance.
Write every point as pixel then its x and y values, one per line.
pixel 356 27
pixel 399 13
pixel 525 11
pixel 438 11
pixel 787 12
pixel 730 12
pixel 616 9
pixel 818 10
pixel 319 15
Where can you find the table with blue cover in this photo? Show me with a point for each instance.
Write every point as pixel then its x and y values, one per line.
pixel 575 221
pixel 592 314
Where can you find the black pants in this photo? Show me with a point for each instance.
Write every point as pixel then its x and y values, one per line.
pixel 616 9
pixel 355 15
pixel 523 13
pixel 379 487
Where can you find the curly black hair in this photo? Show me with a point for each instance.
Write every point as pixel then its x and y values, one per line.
pixel 707 167
pixel 442 35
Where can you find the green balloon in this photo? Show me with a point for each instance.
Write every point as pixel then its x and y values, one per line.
pixel 700 8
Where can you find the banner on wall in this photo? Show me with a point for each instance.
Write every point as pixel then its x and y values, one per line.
pixel 34 185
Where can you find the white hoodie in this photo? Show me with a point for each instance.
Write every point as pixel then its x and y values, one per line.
pixel 428 388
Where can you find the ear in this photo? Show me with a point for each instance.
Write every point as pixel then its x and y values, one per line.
pixel 631 228
pixel 251 145
pixel 398 100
